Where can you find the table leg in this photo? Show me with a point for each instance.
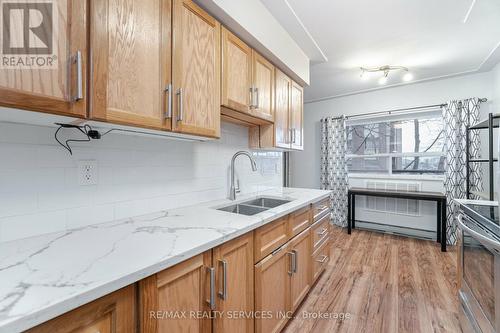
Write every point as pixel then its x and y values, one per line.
pixel 438 218
pixel 443 226
pixel 353 214
pixel 349 213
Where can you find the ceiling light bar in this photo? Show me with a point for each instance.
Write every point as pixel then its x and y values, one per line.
pixel 385 70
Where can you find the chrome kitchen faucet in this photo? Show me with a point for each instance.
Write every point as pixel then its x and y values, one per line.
pixel 232 190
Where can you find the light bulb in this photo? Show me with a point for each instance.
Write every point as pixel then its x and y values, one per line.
pixel 382 80
pixel 408 77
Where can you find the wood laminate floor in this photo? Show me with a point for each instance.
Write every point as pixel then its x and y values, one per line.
pixel 384 283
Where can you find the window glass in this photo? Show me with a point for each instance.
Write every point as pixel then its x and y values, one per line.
pixel 413 145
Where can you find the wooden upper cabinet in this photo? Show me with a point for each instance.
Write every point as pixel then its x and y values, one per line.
pixel 131 61
pixel 234 266
pixel 263 88
pixel 282 116
pixel 113 313
pixel 236 72
pixel 297 116
pixel 287 132
pixel 272 290
pixel 181 289
pixel 196 70
pixel 59 87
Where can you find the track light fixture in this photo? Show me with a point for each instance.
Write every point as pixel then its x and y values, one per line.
pixel 385 70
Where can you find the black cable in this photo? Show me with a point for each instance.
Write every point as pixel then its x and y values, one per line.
pixel 85 130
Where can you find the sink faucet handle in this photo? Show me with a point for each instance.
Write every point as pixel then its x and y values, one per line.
pixel 237 188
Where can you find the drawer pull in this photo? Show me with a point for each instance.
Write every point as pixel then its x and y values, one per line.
pixel 322 207
pixel 322 260
pixel 322 232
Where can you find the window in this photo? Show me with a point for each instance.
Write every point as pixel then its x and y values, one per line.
pixel 410 145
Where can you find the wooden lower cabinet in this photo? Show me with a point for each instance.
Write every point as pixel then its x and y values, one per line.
pixel 234 271
pixel 300 279
pixel 216 291
pixel 114 313
pixel 282 281
pixel 175 300
pixel 272 291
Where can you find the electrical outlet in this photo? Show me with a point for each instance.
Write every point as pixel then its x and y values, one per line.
pixel 87 172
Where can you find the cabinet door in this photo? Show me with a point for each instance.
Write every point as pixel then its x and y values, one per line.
pixel 130 52
pixel 196 70
pixel 58 86
pixel 301 278
pixel 296 116
pixel 282 110
pixel 236 72
pixel 114 313
pixel 272 291
pixel 234 268
pixel 263 85
pixel 181 292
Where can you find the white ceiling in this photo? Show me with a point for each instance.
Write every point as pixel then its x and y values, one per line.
pixel 427 36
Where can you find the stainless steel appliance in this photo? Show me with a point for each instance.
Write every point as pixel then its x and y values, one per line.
pixel 479 241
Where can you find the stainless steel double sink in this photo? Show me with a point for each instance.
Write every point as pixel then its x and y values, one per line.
pixel 254 206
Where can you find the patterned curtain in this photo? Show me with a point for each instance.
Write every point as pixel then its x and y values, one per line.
pixel 334 166
pixel 457 116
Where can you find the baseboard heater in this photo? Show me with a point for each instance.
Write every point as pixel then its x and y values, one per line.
pixel 396 230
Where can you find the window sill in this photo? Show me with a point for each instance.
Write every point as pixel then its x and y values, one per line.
pixel 395 176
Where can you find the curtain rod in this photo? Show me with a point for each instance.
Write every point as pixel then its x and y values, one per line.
pixel 389 112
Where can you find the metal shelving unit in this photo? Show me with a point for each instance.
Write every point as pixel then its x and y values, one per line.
pixel 492 122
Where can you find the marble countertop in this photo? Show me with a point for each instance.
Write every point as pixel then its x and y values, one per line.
pixel 45 276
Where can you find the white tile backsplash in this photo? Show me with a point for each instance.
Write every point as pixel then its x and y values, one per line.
pixel 39 190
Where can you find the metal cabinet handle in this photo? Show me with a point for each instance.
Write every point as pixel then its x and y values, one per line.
pixel 211 300
pixel 181 106
pixel 290 271
pixel 290 135
pixel 168 102
pixel 223 294
pixel 257 98
pixel 294 135
pixel 322 208
pixel 323 260
pixel 79 76
pixel 322 232
pixel 295 264
pixel 251 97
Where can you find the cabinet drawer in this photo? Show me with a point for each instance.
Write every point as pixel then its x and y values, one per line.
pixel 320 259
pixel 299 221
pixel 320 231
pixel 270 237
pixel 320 208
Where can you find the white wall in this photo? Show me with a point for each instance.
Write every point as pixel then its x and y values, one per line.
pixel 39 192
pixel 305 166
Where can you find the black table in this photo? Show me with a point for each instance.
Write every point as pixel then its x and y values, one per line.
pixel 438 197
